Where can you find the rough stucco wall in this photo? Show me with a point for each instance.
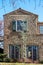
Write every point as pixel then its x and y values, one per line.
pixel 11 37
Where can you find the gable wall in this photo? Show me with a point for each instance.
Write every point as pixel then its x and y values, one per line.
pixel 11 37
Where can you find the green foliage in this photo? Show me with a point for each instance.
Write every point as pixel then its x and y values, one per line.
pixel 41 62
pixel 1 60
pixel 7 59
pixel 15 60
pixel 2 56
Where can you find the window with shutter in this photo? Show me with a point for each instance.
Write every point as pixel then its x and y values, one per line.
pixel 19 25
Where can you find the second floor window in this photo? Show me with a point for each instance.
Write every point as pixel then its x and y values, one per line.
pixel 41 29
pixel 19 25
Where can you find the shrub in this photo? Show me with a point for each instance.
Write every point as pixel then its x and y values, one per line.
pixel 10 60
pixel 7 60
pixel 2 56
pixel 1 60
pixel 41 62
pixel 15 60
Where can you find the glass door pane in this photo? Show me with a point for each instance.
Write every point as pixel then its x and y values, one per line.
pixel 32 52
pixel 35 52
pixel 17 51
pixel 11 51
pixel 14 51
pixel 29 52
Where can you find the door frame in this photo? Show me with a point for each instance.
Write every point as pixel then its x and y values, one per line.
pixel 14 50
pixel 37 52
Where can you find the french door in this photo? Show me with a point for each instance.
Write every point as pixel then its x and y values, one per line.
pixel 32 52
pixel 14 51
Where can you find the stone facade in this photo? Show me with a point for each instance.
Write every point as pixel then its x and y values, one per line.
pixel 33 35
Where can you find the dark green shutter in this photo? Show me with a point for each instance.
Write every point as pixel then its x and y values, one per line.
pixel 14 25
pixel 25 26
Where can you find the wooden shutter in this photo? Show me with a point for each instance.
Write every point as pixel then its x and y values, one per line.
pixel 25 26
pixel 14 25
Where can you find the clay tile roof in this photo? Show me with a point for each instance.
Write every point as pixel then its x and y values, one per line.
pixel 40 23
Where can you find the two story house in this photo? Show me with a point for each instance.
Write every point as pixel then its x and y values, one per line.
pixel 23 36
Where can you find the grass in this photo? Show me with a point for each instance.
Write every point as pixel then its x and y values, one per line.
pixel 19 64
